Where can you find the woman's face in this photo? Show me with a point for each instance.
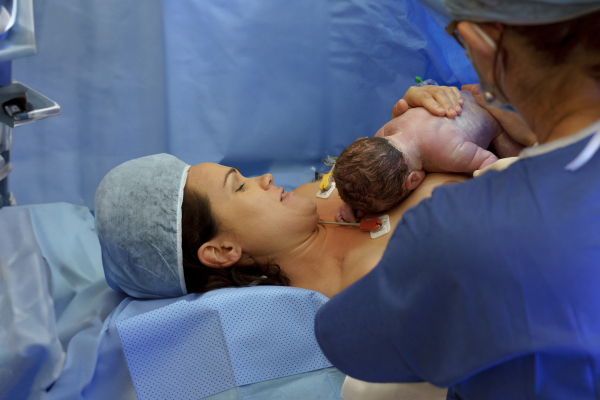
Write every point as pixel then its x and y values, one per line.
pixel 252 211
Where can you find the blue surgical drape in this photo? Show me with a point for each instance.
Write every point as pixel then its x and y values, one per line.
pixel 263 85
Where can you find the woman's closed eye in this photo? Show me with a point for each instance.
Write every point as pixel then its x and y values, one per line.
pixel 241 188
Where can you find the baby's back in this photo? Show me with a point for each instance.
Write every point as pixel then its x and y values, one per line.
pixel 444 142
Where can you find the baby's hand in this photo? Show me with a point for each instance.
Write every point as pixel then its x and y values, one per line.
pixel 345 214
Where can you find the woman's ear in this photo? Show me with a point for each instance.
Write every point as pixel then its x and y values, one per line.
pixel 413 180
pixel 219 254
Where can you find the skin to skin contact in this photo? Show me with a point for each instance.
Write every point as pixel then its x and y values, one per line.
pixel 431 143
pixel 285 231
pixel 256 222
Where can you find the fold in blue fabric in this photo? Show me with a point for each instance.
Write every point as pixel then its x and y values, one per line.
pixel 31 356
pixel 220 340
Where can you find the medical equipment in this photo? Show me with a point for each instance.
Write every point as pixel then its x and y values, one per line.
pixel 366 224
pixel 324 194
pixel 19 104
pixel 420 82
pixel 326 181
pixel 8 15
pixel 327 184
pixel 375 226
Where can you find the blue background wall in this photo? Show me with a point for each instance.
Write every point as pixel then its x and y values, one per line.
pixel 257 84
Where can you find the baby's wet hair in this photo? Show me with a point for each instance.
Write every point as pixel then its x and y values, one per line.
pixel 369 175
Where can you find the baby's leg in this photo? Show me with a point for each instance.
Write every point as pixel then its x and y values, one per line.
pixel 482 159
pixel 471 157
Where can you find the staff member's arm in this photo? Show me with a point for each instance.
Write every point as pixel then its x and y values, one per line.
pixel 512 122
pixel 443 301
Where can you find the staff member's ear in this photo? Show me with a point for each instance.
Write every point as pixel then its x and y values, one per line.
pixel 481 42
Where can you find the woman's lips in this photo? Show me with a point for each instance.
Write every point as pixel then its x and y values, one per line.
pixel 286 196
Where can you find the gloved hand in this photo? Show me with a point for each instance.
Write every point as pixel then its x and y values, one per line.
pixel 438 100
pixel 499 165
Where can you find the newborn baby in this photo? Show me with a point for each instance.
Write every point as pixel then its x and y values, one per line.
pixel 375 174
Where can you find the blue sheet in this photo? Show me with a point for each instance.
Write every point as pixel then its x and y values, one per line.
pixel 31 356
pixel 220 340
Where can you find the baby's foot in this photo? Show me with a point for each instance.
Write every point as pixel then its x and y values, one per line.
pixel 345 214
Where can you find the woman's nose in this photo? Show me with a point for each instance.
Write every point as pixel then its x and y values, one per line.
pixel 266 181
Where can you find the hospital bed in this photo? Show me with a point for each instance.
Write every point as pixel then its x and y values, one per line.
pixel 68 335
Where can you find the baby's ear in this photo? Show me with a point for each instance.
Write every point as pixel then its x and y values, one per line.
pixel 345 214
pixel 413 180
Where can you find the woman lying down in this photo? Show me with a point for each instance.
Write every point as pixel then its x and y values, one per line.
pixel 167 229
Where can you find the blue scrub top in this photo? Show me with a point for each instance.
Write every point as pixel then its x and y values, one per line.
pixel 490 287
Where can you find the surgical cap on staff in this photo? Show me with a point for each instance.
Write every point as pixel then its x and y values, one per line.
pixel 138 221
pixel 520 12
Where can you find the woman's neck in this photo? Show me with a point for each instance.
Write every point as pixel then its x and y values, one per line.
pixel 576 107
pixel 317 263
pixel 332 257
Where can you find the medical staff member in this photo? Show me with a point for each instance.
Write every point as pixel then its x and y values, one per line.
pixel 492 287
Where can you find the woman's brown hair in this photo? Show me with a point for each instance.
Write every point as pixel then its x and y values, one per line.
pixel 199 225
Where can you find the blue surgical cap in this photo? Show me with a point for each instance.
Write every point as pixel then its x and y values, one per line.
pixel 520 12
pixel 138 221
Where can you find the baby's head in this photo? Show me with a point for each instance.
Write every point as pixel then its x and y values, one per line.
pixel 370 174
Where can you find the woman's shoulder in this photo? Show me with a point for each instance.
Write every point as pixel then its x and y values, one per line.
pixel 326 207
pixel 307 190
